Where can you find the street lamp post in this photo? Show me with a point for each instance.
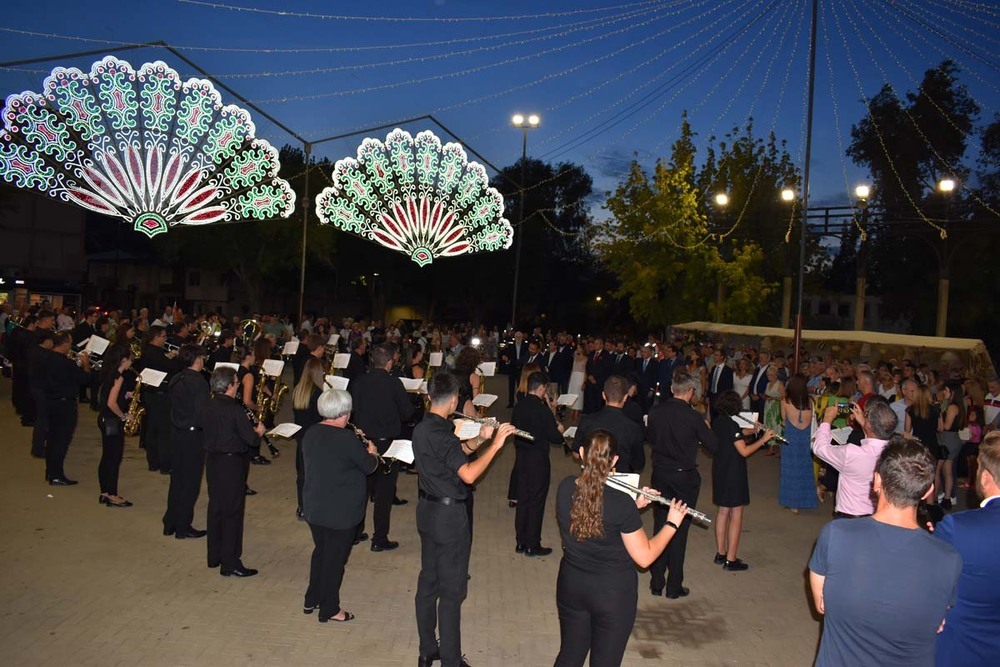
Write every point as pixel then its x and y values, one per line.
pixel 721 202
pixel 531 121
pixel 862 192
pixel 946 186
pixel 787 196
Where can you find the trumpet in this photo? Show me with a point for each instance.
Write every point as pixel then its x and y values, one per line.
pixel 490 421
pixel 95 364
pixel 621 485
pixel 760 427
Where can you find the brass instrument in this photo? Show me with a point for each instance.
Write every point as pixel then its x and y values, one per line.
pixel 261 398
pixel 136 413
pixel 135 347
pixel 490 421
pixel 274 402
pixel 251 330
pixel 95 364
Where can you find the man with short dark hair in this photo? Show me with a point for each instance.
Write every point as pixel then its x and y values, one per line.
pixel 357 365
pixel 313 346
pixel 442 520
pixel 646 368
pixel 971 637
pixel 675 432
pixel 611 418
pixel 189 394
pixel 381 405
pixel 59 384
pixel 882 582
pixel 533 469
pixel 156 430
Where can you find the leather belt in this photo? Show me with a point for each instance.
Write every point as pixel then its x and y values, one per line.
pixel 443 501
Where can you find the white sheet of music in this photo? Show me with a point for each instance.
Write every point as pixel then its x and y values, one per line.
pixel 435 359
pixel 290 348
pixel 272 367
pixel 570 432
pixel 466 429
pixel 341 359
pixel 485 400
pixel 336 382
pixel 333 339
pixel 630 478
pixel 488 368
pixel 567 399
pixel 401 450
pixel 152 377
pixel 411 384
pixel 226 364
pixel 287 430
pixel 96 344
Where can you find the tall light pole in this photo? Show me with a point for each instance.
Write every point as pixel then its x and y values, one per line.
pixel 531 121
pixel 862 193
pixel 946 186
pixel 788 196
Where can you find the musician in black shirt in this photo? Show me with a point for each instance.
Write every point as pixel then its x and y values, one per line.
pixel 535 415
pixel 443 524
pixel 224 353
pixel 227 434
pixel 675 431
pixel 156 429
pixel 188 393
pixel 113 396
pixel 60 382
pixel 381 405
pixel 612 418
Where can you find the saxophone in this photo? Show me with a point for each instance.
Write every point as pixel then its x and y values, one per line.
pixel 274 404
pixel 135 414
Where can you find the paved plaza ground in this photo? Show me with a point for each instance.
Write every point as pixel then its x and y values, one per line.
pixel 88 585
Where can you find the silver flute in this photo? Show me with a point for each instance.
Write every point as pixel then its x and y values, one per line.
pixel 489 421
pixel 760 427
pixel 614 482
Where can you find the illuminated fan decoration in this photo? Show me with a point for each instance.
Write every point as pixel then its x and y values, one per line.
pixel 142 146
pixel 415 196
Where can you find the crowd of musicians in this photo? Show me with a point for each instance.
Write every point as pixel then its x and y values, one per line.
pixel 935 577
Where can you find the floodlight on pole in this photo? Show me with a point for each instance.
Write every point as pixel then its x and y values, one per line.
pixel 531 122
pixel 862 191
pixel 722 199
pixel 946 185
pixel 788 194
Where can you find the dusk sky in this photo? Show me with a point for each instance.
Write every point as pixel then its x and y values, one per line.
pixel 609 77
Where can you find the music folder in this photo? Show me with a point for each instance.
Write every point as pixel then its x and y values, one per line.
pixel 567 399
pixel 333 340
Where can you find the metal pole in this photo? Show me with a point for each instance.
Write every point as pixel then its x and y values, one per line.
pixel 305 230
pixel 520 227
pixel 805 188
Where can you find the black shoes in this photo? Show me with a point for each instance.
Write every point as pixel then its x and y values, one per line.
pixel 511 503
pixel 275 452
pixel 164 471
pixel 241 572
pixel 300 515
pixel 537 551
pixel 735 565
pixel 682 593
pixel 259 461
pixel 519 549
pixel 250 492
pixel 62 481
pixel 106 500
pixel 363 537
pixel 428 660
pixel 214 565
pixel 188 534
pixel 396 500
pixel 388 545
pixel 309 608
pixel 719 559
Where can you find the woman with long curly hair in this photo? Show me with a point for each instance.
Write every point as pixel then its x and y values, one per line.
pixel 603 540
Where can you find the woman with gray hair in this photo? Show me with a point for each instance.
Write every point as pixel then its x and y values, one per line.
pixel 333 500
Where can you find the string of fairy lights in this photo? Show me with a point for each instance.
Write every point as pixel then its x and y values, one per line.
pixel 697 32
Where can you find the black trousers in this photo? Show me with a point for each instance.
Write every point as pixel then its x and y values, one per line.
pixel 112 448
pixel 332 548
pixel 300 469
pixel 29 406
pixel 685 486
pixel 442 586
pixel 596 615
pixel 533 474
pixel 185 479
pixel 227 479
pixel 470 502
pixel 512 484
pixel 18 386
pixel 381 484
pixel 158 428
pixel 62 423
pixel 513 376
pixel 40 434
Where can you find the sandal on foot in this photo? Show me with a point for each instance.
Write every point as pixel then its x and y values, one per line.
pixel 348 616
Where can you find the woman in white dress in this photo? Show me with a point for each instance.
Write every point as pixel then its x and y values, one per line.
pixel 576 380
pixel 741 382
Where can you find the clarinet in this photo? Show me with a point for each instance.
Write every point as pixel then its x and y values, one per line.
pixel 365 441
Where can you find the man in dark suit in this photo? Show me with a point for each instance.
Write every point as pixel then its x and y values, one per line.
pixel 535 355
pixel 972 634
pixel 646 368
pixel 562 367
pixel 758 383
pixel 599 369
pixel 672 360
pixel 611 418
pixel 314 346
pixel 533 414
pixel 81 332
pixel 720 378
pixel 514 358
pixel 381 405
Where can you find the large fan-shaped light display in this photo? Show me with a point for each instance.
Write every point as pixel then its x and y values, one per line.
pixel 142 146
pixel 415 196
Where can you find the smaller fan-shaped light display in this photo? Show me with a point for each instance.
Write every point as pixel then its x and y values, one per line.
pixel 415 196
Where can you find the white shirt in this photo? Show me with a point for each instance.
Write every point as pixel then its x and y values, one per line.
pixel 64 322
pixel 899 407
pixel 991 408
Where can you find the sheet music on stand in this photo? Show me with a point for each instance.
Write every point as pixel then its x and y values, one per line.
pixel 341 360
pixel 96 345
pixel 567 399
pixel 435 359
pixel 286 430
pixel 570 432
pixel 333 340
pixel 466 429
pixel 484 400
pixel 411 384
pixel 152 377
pixel 226 364
pixel 272 367
pixel 336 382
pixel 401 450
pixel 630 478
pixel 290 348
pixel 487 368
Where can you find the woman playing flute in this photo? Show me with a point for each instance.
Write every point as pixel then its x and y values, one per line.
pixel 603 539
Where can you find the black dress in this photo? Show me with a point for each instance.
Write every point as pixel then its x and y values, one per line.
pixel 730 486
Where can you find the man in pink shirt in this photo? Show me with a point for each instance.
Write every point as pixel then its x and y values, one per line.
pixel 856 463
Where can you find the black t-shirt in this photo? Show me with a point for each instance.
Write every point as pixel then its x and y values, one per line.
pixel 925 430
pixel 438 455
pixel 336 467
pixel 604 555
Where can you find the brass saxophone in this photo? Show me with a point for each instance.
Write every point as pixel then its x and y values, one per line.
pixel 274 403
pixel 261 399
pixel 135 414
